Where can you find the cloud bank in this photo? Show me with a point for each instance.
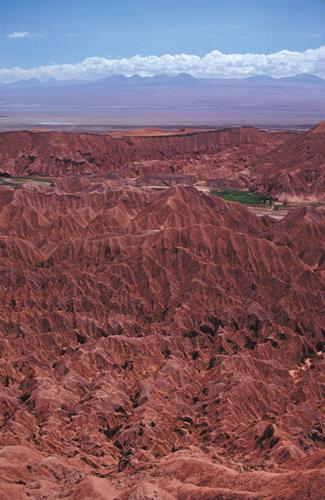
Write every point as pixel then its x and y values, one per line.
pixel 212 65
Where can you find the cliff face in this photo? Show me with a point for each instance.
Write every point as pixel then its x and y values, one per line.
pixel 157 345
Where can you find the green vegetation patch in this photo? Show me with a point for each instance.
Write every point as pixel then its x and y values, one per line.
pixel 245 197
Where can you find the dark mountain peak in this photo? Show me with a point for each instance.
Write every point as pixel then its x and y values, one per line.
pixel 303 78
pixel 260 78
pixel 307 77
pixel 185 77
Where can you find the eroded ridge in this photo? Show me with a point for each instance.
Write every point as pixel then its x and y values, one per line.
pixel 158 345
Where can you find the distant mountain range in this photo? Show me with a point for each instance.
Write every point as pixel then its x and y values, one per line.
pixel 258 99
pixel 164 79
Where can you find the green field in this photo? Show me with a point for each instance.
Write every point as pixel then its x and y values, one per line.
pixel 244 197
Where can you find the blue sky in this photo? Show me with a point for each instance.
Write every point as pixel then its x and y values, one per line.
pixel 39 32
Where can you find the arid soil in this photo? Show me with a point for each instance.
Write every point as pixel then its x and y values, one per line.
pixel 158 345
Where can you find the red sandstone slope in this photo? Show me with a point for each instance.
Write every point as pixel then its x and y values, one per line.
pixel 157 346
pixel 281 165
pixel 304 231
pixel 62 153
pixel 296 168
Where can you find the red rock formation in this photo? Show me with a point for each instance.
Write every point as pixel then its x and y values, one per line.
pixel 304 231
pixel 297 168
pixel 157 345
pixel 284 165
pixel 62 153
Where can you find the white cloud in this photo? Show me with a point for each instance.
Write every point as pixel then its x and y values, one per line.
pixel 19 34
pixel 23 34
pixel 214 65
